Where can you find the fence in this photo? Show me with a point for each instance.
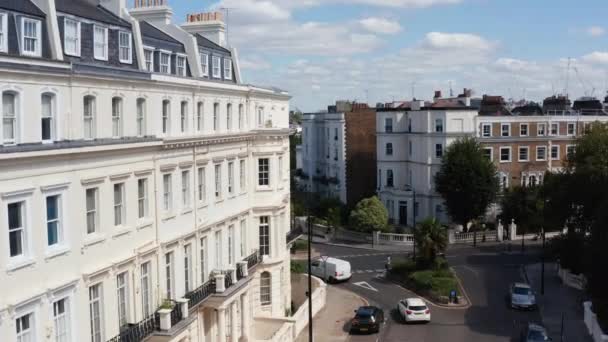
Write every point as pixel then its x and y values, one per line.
pixel 593 325
pixel 394 239
pixel 578 282
pixel 319 295
pixel 470 237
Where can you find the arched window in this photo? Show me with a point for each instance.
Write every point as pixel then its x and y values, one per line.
pixel 88 115
pixel 141 117
pixel 229 117
pixel 9 118
pixel 200 109
pixel 265 288
pixel 241 117
pixel 184 116
pixel 166 118
pixel 116 117
pixel 48 120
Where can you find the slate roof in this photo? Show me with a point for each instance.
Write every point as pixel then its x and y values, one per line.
pixel 22 6
pixel 84 9
pixel 204 42
pixel 150 31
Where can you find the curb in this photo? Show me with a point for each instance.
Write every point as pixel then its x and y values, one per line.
pixel 356 247
pixel 442 306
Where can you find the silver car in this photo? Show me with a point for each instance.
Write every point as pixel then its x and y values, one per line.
pixel 522 296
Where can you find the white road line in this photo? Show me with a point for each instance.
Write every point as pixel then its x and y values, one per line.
pixel 379 270
pixel 369 271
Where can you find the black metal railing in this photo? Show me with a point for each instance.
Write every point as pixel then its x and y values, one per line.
pixel 201 293
pixel 138 331
pixel 239 273
pixel 253 259
pixel 293 234
pixel 176 315
pixel 227 279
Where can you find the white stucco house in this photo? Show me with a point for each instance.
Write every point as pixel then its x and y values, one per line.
pixel 144 188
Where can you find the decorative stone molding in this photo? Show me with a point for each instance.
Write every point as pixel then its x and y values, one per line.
pixel 219 283
pixel 165 319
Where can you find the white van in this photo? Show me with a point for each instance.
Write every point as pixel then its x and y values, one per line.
pixel 331 269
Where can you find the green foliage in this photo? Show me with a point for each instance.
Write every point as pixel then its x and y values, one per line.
pixel 466 180
pixel 437 283
pixel 295 117
pixel 298 266
pixel 567 248
pixel 431 239
pixel 369 215
pixel 525 206
pixel 300 245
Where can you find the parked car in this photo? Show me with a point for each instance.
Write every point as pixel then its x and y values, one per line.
pixel 522 297
pixel 414 310
pixel 368 319
pixel 331 269
pixel 534 333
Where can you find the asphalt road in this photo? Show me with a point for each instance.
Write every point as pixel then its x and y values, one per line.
pixel 485 273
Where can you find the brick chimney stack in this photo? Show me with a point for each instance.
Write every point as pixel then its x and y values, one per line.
pixel 154 11
pixel 437 94
pixel 209 25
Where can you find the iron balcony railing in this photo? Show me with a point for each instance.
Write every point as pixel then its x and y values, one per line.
pixel 176 315
pixel 253 259
pixel 227 279
pixel 138 331
pixel 239 274
pixel 201 293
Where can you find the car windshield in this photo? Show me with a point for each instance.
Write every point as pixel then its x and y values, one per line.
pixel 522 291
pixel 535 335
pixel 417 308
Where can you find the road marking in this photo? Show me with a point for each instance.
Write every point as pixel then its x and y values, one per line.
pixel 365 285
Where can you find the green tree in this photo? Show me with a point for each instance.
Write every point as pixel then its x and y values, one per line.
pixel 431 239
pixel 466 180
pixel 525 206
pixel 369 215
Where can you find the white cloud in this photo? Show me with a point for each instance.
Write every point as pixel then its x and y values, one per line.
pixel 595 31
pixel 596 57
pixel 254 63
pixel 380 25
pixel 442 40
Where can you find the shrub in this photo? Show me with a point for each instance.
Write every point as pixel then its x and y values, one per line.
pixel 298 266
pixel 300 245
pixel 441 286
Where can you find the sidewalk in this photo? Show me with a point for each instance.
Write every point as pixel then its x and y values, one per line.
pixel 365 246
pixel 331 323
pixel 558 300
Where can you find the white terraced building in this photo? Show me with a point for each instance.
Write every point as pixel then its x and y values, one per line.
pixel 144 189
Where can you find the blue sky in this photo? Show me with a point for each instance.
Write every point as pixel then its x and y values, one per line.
pixel 378 50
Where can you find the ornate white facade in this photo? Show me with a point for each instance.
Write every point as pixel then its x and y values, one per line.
pixel 131 197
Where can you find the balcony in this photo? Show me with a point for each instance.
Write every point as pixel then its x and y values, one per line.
pixel 173 314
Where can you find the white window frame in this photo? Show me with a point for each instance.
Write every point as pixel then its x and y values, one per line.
pixel 203 257
pixel 265 288
pixel 98 300
pixel 387 126
pixel 264 235
pixel 94 212
pixel 551 129
pixel 229 117
pixel 14 117
pixel 502 131
pixel 521 126
pixel 540 148
pixel 243 238
pixel 146 288
pixel 218 181
pixel 205 63
pixel 227 69
pixel 558 152
pixel 500 154
pixel 161 65
pixel 3 32
pixel 169 263
pixel 30 334
pixel 128 60
pixel 183 112
pixel 180 71
pixel 122 298
pixel 200 116
pixel 241 116
pixel 541 130
pixel 142 198
pixel 231 178
pixel 24 231
pixel 201 183
pixel 188 275
pixel 216 117
pixel 96 43
pixel 75 39
pixel 166 117
pixel 483 130
pixel 120 210
pixel 37 40
pixel 62 322
pixel 573 125
pixel 151 51
pixel 243 175
pixel 59 221
pixel 491 152
pixel 167 192
pixel 216 67
pixel 264 172
pixel 527 148
pixel 186 193
pixel 387 149
pixel 89 120
pixel 231 258
pixel 440 150
pixel 568 147
pixel 439 123
pixel 140 116
pixel 117 117
pixel 52 117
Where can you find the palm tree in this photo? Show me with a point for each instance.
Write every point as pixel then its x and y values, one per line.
pixel 431 239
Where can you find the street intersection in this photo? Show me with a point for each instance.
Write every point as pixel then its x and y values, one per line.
pixel 485 273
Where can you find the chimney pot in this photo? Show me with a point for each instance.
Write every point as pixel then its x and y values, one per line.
pixel 437 94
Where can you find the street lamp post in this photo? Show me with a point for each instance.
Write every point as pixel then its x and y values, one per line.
pixel 309 221
pixel 542 265
pixel 414 222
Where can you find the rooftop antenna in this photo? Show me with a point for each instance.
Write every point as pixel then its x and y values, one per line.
pixel 567 77
pixel 451 90
pixel 227 11
pixel 367 96
pixel 413 89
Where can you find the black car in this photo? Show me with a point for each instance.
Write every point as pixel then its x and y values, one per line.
pixel 368 319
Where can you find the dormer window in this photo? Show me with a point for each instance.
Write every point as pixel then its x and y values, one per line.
pixel 100 42
pixel 181 65
pixel 3 32
pixel 165 62
pixel 125 47
pixel 30 37
pixel 217 72
pixel 205 64
pixel 227 69
pixel 71 37
pixel 149 59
